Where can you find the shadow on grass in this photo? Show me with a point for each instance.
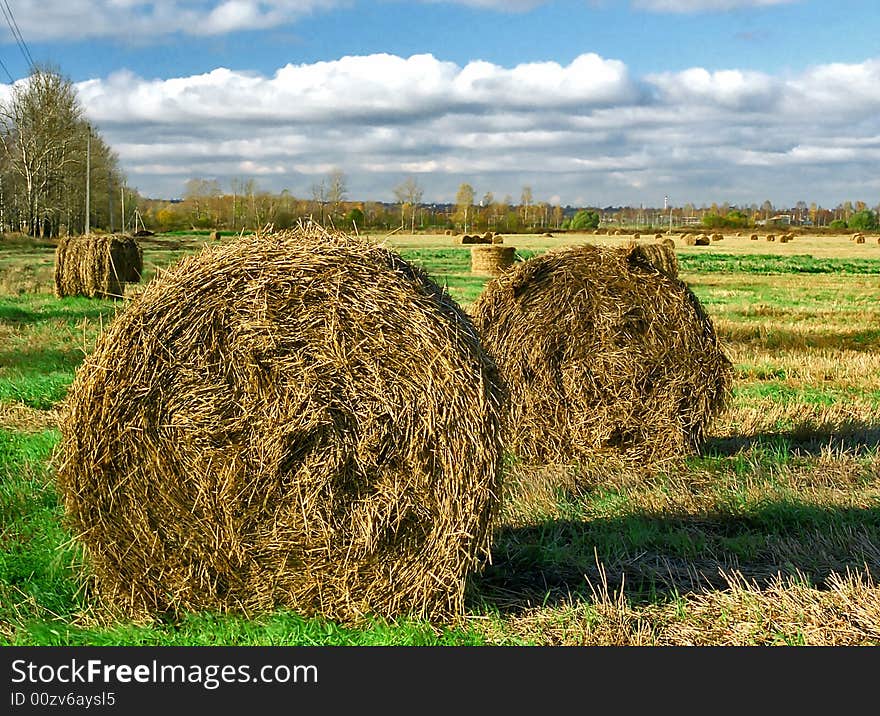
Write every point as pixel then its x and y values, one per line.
pixel 775 337
pixel 73 311
pixel 857 438
pixel 655 556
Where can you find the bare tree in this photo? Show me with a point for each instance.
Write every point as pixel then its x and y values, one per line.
pixel 337 188
pixel 319 196
pixel 409 193
pixel 42 134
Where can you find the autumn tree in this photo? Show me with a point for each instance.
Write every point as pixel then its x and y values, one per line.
pixel 464 200
pixel 525 202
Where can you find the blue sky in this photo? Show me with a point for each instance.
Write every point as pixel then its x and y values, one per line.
pixel 589 102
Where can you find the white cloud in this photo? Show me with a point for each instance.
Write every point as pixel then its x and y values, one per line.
pixel 586 128
pixel 144 19
pixel 688 6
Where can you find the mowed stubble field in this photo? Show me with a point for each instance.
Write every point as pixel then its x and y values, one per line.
pixel 770 536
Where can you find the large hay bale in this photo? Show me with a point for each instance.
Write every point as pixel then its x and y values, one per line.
pixel 701 240
pixel 295 419
pixel 771 237
pixel 753 237
pixel 96 266
pixel 717 237
pixel 690 240
pixel 492 260
pixel 602 352
pixel 497 239
pixel 860 239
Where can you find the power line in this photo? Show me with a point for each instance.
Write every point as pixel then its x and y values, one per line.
pixel 8 74
pixel 16 33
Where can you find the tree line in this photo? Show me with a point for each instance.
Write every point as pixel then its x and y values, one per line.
pixel 54 167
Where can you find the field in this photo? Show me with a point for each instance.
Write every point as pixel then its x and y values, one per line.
pixel 770 536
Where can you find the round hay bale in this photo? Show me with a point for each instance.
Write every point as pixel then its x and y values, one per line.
pixel 702 240
pixel 96 266
pixel 717 237
pixel 497 239
pixel 488 236
pixel 660 255
pixel 492 260
pixel 547 234
pixel 860 239
pixel 658 236
pixel 771 237
pixel 690 240
pixel 296 420
pixel 753 237
pixel 602 353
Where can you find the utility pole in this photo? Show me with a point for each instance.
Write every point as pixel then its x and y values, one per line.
pixel 88 172
pixel 122 198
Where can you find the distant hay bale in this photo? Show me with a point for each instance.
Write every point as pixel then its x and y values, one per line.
pixel 296 420
pixel 658 236
pixel 860 239
pixel 771 237
pixel 753 237
pixel 96 266
pixel 690 240
pixel 717 237
pixel 472 239
pixel 492 260
pixel 785 238
pixel 488 236
pixel 660 255
pixel 602 352
pixel 547 234
pixel 497 239
pixel 701 240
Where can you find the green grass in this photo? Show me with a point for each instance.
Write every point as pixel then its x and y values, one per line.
pixel 708 263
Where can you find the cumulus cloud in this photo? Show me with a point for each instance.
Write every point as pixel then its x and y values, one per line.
pixel 588 131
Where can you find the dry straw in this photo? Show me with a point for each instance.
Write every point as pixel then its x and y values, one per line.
pixel 97 266
pixel 492 260
pixel 297 420
pixel 603 354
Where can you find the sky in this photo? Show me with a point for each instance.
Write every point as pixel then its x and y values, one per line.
pixel 588 102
